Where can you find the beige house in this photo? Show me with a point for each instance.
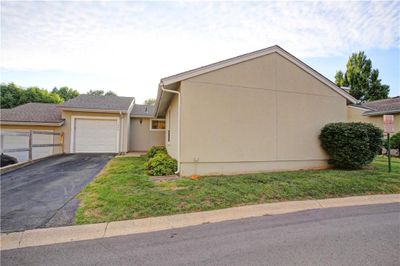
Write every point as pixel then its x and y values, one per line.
pixel 372 112
pixel 261 111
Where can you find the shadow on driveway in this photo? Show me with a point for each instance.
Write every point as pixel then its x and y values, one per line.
pixel 42 194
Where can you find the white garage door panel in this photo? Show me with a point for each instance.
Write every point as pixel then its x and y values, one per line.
pixel 96 135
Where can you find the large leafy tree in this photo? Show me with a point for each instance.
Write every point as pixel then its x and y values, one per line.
pixel 66 93
pixel 101 93
pixel 363 81
pixel 12 95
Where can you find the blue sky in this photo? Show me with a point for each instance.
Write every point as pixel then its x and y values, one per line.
pixel 128 46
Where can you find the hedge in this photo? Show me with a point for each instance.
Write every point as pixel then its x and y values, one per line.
pixel 161 164
pixel 351 145
pixel 154 150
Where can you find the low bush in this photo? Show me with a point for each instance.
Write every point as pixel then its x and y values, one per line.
pixel 351 145
pixel 154 150
pixel 161 164
pixel 394 141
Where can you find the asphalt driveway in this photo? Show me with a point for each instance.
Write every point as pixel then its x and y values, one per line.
pixel 43 194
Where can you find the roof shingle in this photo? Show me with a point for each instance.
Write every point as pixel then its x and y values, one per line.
pixel 389 106
pixel 32 112
pixel 84 101
pixel 143 110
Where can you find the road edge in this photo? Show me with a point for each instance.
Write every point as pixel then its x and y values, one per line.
pixel 56 235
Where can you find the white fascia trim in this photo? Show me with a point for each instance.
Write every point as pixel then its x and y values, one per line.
pixel 232 61
pixel 71 109
pixel 74 117
pixel 359 107
pixel 375 113
pixel 19 123
pixel 131 106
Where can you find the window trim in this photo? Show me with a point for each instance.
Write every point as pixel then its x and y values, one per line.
pixel 155 129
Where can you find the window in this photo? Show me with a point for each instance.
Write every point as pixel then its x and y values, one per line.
pixel 157 124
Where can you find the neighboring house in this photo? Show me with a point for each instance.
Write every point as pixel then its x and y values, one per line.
pixel 96 123
pixel 30 116
pixel 372 112
pixel 261 111
pixel 104 124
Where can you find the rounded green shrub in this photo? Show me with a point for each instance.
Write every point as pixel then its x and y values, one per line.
pixel 161 164
pixel 154 150
pixel 351 145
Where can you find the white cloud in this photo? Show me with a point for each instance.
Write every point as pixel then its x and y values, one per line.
pixel 131 45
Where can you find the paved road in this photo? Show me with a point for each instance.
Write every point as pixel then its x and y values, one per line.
pixel 363 235
pixel 42 194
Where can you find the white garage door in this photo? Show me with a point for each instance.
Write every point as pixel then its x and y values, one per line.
pixel 96 135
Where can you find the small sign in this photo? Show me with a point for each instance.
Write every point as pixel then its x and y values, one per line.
pixel 388 124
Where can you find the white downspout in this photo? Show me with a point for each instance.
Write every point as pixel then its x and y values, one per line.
pixel 121 133
pixel 179 126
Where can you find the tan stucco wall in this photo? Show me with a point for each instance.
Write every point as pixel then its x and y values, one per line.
pixel 261 115
pixel 355 115
pixel 141 138
pixel 67 127
pixel 171 123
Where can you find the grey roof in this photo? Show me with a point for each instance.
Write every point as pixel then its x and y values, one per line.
pixel 386 106
pixel 32 112
pixel 143 110
pixel 84 101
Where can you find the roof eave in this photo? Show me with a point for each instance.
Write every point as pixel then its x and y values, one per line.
pixel 94 110
pixel 32 123
pixel 376 113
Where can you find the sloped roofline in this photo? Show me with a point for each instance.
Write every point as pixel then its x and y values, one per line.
pixel 249 56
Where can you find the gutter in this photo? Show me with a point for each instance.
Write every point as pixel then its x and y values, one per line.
pixel 29 123
pixel 77 109
pixel 374 113
pixel 179 124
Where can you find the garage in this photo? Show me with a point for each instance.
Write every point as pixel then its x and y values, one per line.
pixel 95 135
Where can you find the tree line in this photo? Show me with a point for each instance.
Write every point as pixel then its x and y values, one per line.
pixel 12 95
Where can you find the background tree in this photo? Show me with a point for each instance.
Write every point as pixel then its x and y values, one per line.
pixel 66 93
pixel 363 81
pixel 110 93
pixel 12 95
pixel 101 93
pixel 150 101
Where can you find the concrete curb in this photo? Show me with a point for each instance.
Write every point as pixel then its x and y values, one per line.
pixel 48 236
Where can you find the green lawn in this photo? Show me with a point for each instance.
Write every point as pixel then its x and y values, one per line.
pixel 122 191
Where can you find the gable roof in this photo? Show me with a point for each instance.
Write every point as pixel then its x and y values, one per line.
pixel 31 113
pixel 381 107
pixel 249 56
pixel 99 103
pixel 143 110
